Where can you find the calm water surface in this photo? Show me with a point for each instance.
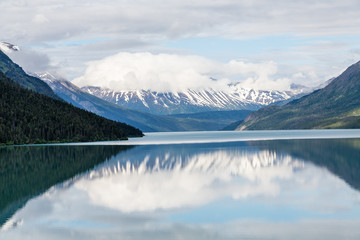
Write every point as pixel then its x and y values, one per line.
pixel 197 187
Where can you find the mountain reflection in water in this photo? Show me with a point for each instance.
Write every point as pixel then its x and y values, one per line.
pixel 288 188
pixel 340 156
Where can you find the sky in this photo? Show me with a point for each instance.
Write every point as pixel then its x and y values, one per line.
pixel 172 45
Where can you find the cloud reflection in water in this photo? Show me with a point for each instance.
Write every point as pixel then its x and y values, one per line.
pixel 172 180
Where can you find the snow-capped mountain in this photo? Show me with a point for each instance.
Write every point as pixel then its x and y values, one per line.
pixel 8 47
pixel 192 101
pixel 144 121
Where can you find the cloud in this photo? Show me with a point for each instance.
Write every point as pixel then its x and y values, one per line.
pixel 171 72
pixel 141 26
pixel 39 18
pixel 172 19
pixel 31 61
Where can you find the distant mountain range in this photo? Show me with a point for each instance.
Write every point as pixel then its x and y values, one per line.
pixel 194 101
pixel 335 106
pixel 144 121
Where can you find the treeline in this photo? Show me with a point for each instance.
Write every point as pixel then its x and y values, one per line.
pixel 29 117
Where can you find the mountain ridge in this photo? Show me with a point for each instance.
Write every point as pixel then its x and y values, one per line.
pixel 193 101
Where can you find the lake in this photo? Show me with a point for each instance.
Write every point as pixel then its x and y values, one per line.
pixel 301 184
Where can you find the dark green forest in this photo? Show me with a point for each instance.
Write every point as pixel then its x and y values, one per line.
pixel 29 117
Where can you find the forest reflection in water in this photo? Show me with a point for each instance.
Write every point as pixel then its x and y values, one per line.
pixel 199 191
pixel 26 171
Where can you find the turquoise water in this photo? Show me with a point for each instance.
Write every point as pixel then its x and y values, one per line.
pixel 202 185
pixel 231 136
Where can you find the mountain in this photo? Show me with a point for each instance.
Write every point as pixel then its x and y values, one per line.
pixel 232 126
pixel 218 119
pixel 191 101
pixel 335 106
pixel 15 72
pixel 300 91
pixel 30 117
pixel 144 121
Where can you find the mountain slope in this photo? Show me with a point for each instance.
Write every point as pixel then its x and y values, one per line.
pixel 15 72
pixel 232 126
pixel 335 106
pixel 29 117
pixel 218 119
pixel 144 121
pixel 191 101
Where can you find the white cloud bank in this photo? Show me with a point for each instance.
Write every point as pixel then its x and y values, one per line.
pixel 55 20
pixel 73 32
pixel 171 72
